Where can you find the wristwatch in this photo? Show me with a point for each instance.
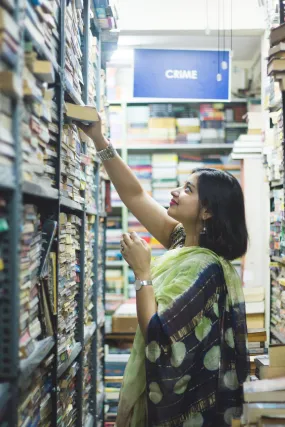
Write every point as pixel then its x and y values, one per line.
pixel 140 283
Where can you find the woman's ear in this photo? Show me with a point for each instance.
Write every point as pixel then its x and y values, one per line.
pixel 206 214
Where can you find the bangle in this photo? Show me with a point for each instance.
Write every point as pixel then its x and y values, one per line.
pixel 107 154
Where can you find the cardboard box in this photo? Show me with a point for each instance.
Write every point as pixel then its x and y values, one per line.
pixel 124 324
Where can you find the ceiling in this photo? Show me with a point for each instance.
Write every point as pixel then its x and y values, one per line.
pixel 181 24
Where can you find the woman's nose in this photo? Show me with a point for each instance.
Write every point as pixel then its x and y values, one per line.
pixel 175 193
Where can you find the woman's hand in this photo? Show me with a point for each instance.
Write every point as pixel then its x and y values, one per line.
pixel 137 253
pixel 94 131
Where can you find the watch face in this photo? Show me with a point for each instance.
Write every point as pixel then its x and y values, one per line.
pixel 138 285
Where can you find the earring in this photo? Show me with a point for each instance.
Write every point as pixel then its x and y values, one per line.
pixel 204 229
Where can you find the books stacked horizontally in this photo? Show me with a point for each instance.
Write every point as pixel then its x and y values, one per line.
pixel 87 377
pixel 35 401
pixel 255 307
pixel 162 129
pixel 30 259
pixel 116 122
pixel 271 365
pixel 69 281
pixel 40 122
pixel 100 274
pixel 73 57
pixel 256 344
pixel 114 296
pixel 276 55
pixel 212 123
pixel 141 166
pixel 4 227
pixel 164 177
pixel 73 179
pixel 115 364
pixel 66 404
pixel 113 238
pixel 88 269
pixel 100 373
pixel 137 124
pixel 107 14
pixel 234 122
pixel 93 64
pixel 188 130
pixel 264 398
pixel 137 227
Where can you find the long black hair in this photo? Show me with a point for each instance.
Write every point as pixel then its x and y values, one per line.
pixel 225 232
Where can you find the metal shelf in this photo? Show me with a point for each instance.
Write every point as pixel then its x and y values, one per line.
pixel 42 349
pixel 181 147
pixel 91 211
pixel 71 204
pixel 37 190
pixel 73 355
pixel 4 395
pixel 172 101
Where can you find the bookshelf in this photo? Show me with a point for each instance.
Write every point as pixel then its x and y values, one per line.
pixel 274 163
pixel 51 319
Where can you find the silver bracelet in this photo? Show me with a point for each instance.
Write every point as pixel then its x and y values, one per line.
pixel 107 154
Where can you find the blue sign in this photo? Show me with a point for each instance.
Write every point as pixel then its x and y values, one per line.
pixel 182 74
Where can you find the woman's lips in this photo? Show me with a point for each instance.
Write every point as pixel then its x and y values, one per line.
pixel 173 203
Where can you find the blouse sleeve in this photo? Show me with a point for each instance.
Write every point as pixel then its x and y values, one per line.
pixel 183 351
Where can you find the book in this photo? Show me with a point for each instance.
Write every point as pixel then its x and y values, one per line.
pixel 252 412
pixel 277 356
pixel 255 335
pixel 276 66
pixel 8 24
pixel 44 71
pixel 81 113
pixel 277 35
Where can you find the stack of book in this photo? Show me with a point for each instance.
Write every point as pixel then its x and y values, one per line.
pixel 35 405
pixel 113 238
pixel 276 55
pixel 4 227
pixel 93 64
pixel 73 179
pixel 9 47
pixel 66 404
pixel 212 123
pixel 30 259
pixel 162 129
pixel 164 177
pixel 264 400
pixel 100 274
pixel 116 122
pixel 271 365
pixel 277 320
pixel 42 25
pixel 188 130
pixel 69 282
pixel 40 124
pixel 88 268
pixel 255 307
pixel 114 296
pixel 256 343
pixel 137 124
pixel 88 160
pixel 100 374
pixel 73 57
pixel 107 14
pixel 87 377
pixel 115 363
pixel 142 168
pixel 137 227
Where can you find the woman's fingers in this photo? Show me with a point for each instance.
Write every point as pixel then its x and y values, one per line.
pixel 127 239
pixel 134 237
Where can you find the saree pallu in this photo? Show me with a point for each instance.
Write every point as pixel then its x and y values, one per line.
pixel 190 371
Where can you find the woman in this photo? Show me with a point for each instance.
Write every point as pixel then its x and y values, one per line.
pixel 189 358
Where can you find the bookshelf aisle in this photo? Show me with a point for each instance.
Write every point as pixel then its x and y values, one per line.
pixel 53 203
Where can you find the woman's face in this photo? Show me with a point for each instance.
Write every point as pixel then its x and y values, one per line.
pixel 185 204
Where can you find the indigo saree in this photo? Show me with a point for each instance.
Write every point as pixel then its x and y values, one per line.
pixel 190 371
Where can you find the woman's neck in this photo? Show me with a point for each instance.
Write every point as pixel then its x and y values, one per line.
pixel 192 238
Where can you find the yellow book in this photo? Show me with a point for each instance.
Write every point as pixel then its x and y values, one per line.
pixel 44 71
pixel 81 113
